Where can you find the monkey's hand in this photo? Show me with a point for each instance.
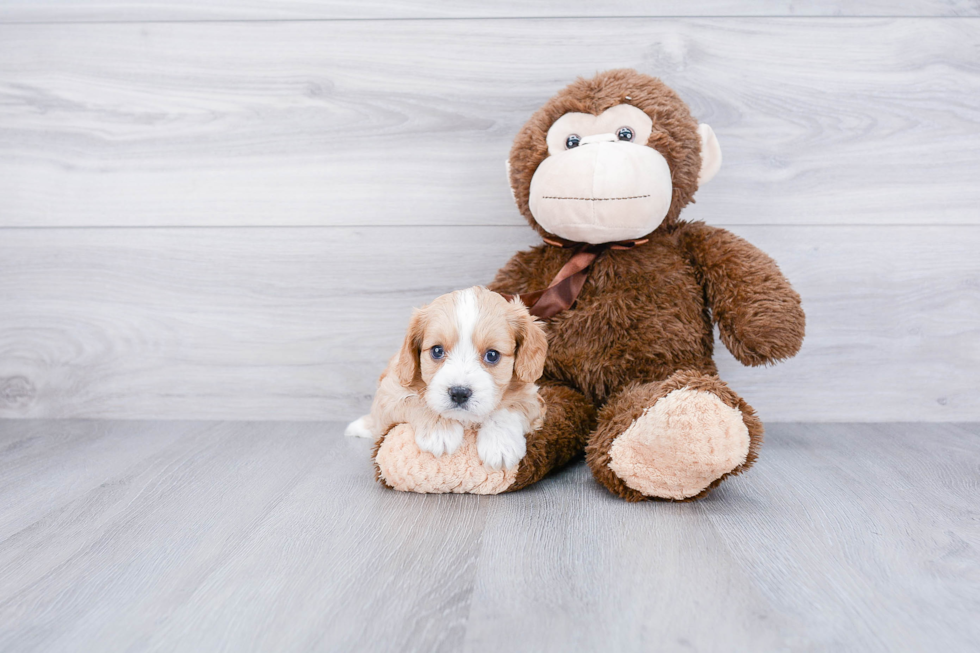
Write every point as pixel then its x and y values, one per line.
pixel 758 313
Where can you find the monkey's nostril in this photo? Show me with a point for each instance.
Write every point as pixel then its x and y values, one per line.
pixel 459 394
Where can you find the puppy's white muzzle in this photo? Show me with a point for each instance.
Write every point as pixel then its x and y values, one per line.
pixel 462 374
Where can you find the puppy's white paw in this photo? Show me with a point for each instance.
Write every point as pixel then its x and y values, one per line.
pixel 443 438
pixel 359 428
pixel 500 442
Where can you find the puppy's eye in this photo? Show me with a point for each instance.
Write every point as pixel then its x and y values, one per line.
pixel 437 352
pixel 492 356
pixel 572 141
pixel 625 134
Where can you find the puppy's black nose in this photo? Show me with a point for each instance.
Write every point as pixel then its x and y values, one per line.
pixel 459 394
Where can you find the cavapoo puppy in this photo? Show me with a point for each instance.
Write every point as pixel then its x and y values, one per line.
pixel 469 361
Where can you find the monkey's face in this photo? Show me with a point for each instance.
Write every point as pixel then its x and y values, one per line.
pixel 600 181
pixel 614 174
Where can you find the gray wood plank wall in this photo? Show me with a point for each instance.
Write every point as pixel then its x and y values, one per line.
pixel 226 211
pixel 23 11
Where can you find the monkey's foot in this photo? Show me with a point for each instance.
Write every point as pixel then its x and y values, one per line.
pixel 401 465
pixel 680 445
pixel 673 443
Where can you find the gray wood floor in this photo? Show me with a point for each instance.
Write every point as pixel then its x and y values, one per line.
pixel 209 536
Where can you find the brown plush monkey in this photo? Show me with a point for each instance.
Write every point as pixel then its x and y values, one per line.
pixel 602 172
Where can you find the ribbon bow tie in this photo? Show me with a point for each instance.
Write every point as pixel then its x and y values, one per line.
pixel 567 284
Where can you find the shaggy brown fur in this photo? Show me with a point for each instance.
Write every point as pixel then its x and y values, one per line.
pixel 642 325
pixel 568 422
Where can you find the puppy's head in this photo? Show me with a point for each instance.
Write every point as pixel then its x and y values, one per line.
pixel 465 349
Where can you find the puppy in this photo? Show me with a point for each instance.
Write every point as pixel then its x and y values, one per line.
pixel 470 360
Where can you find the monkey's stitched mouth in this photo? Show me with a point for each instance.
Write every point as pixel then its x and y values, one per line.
pixel 594 199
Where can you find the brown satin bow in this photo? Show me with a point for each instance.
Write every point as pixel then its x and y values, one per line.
pixel 567 284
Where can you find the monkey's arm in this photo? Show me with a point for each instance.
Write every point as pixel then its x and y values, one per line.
pixel 758 313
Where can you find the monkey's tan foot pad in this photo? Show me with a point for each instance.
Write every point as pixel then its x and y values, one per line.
pixel 679 446
pixel 401 465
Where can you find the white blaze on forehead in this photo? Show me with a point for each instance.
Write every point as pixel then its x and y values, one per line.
pixel 467 315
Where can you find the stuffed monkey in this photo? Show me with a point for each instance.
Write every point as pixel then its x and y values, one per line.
pixel 629 294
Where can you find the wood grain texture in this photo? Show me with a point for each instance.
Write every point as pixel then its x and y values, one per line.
pixel 882 489
pixel 822 121
pixel 800 554
pixel 274 536
pixel 15 11
pixel 297 323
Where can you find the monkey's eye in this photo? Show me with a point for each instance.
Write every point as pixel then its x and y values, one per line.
pixel 572 141
pixel 625 134
pixel 437 352
pixel 492 356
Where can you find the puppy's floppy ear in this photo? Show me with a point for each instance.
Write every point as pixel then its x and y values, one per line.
pixel 407 367
pixel 532 347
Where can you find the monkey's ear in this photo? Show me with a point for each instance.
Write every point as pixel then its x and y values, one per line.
pixel 710 154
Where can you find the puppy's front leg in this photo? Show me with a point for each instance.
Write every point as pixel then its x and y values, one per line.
pixel 500 442
pixel 439 436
